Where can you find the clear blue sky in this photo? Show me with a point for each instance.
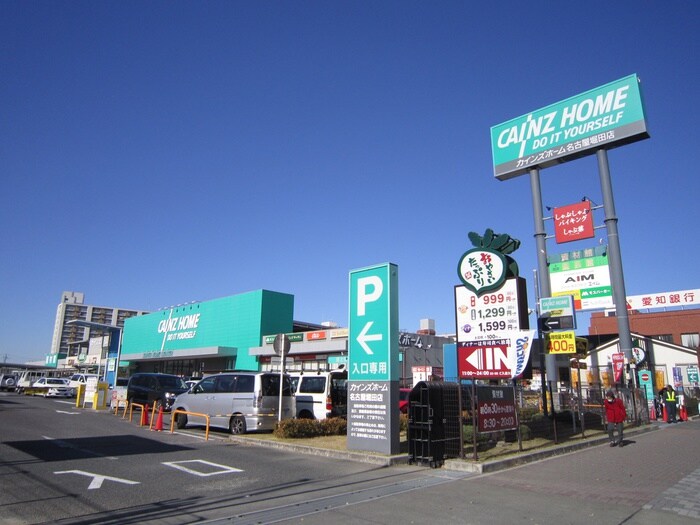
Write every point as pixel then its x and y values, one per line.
pixel 155 153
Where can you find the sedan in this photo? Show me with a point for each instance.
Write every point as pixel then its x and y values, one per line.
pixel 53 387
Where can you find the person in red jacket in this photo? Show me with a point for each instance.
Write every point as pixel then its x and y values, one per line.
pixel 615 414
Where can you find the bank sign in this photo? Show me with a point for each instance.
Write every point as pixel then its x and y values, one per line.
pixel 605 117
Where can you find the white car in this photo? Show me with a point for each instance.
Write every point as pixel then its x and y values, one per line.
pixel 53 387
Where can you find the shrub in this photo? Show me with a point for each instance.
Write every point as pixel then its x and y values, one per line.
pixel 308 428
pixel 528 413
pixel 468 434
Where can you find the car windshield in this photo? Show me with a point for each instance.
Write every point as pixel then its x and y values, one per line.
pixel 56 382
pixel 173 382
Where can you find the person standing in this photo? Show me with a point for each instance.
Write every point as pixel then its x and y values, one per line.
pixel 670 401
pixel 615 414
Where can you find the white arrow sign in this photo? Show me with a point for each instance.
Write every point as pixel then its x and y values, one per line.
pixel 363 337
pixel 97 479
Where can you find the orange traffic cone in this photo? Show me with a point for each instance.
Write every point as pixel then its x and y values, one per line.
pixel 159 420
pixel 144 415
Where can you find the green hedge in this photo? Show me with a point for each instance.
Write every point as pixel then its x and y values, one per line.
pixel 307 428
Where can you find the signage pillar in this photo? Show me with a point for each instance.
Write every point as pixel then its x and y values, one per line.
pixel 545 288
pixel 373 347
pixel 615 257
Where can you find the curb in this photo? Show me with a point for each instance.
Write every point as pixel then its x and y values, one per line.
pixel 486 467
pixel 365 457
pixel 459 465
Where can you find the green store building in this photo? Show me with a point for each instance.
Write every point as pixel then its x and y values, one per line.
pixel 198 338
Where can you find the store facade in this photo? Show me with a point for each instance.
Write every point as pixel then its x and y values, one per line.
pixel 199 338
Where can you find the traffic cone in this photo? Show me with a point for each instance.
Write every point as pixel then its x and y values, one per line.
pixel 144 415
pixel 665 415
pixel 159 420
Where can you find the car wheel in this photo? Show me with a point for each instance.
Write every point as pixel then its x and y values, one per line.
pixel 237 425
pixel 181 421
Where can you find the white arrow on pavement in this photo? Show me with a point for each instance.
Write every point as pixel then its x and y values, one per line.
pixel 97 479
pixel 364 337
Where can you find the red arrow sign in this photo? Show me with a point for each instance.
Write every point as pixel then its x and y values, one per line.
pixel 484 359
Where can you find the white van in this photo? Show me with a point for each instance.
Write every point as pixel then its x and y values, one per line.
pixel 239 401
pixel 81 379
pixel 320 395
pixel 27 378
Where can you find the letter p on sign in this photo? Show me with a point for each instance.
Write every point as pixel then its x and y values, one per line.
pixel 369 289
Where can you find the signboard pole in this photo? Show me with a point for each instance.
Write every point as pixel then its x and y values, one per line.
pixel 616 274
pixel 545 289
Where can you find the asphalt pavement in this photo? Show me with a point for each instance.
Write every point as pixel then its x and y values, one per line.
pixel 654 479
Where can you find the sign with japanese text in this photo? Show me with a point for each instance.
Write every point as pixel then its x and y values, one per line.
pixel 373 420
pixel 487 316
pixel 495 408
pixel 664 300
pixel 586 278
pixel 618 363
pixel 561 342
pixel 484 359
pixel 605 117
pixel 373 334
pixel 502 358
pixel 573 222
pixel 482 270
pixel 373 368
pixel 692 372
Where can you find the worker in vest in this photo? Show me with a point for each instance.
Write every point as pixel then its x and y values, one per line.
pixel 670 402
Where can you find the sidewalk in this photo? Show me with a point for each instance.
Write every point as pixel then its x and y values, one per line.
pixel 461 465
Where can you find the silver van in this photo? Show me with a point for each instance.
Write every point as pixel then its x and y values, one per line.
pixel 239 401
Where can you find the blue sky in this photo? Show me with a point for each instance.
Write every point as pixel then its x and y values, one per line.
pixel 156 153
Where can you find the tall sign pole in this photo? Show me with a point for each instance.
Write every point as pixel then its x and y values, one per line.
pixel 615 256
pixel 550 362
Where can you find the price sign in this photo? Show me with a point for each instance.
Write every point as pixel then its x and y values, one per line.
pixel 488 316
pixel 561 343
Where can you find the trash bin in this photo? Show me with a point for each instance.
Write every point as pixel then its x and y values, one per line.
pixel 434 423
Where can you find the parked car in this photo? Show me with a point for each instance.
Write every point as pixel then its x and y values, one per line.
pixel 239 401
pixel 53 387
pixel 81 379
pixel 149 388
pixel 8 382
pixel 320 395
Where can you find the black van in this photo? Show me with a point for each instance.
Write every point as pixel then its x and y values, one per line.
pixel 148 388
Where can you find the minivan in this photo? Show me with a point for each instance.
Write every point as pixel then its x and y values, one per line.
pixel 148 388
pixel 320 395
pixel 81 379
pixel 240 401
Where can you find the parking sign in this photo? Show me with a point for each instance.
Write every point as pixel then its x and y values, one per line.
pixel 373 324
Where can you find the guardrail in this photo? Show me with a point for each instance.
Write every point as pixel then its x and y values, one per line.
pixel 173 418
pixel 143 412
